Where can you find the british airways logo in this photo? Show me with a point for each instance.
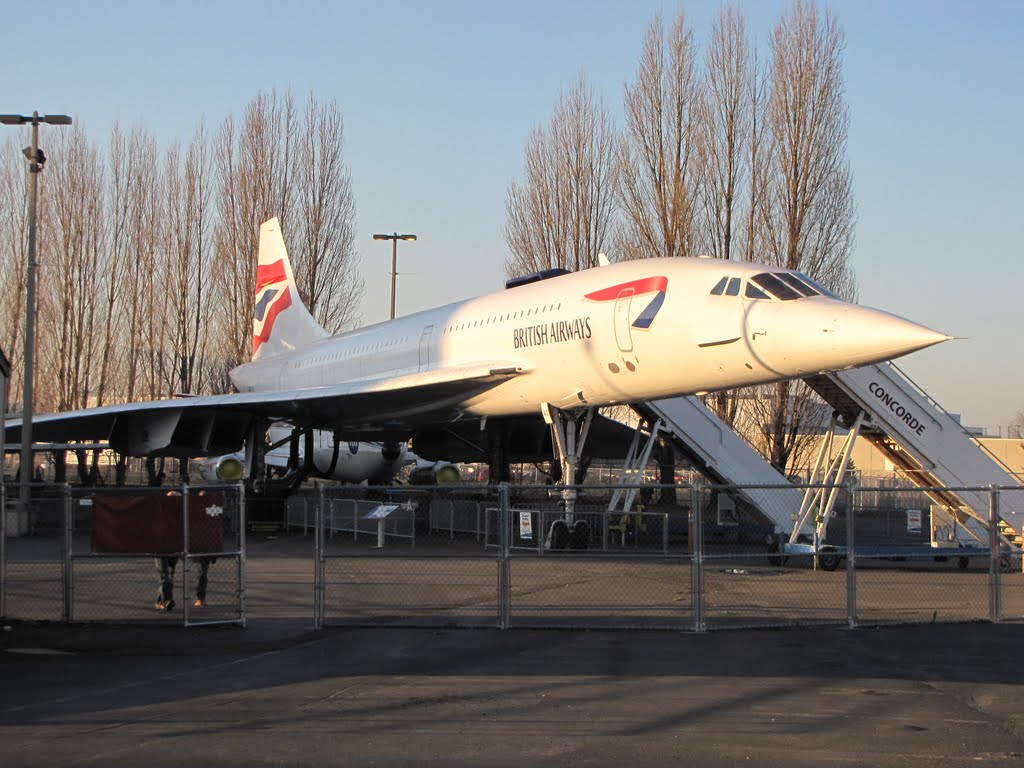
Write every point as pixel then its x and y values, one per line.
pixel 272 297
pixel 579 328
pixel 657 285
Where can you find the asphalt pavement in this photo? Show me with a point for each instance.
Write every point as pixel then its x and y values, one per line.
pixel 279 693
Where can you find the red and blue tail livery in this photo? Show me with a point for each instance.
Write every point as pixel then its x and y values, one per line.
pixel 272 297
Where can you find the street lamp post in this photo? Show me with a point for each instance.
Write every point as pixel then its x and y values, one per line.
pixel 36 159
pixel 394 238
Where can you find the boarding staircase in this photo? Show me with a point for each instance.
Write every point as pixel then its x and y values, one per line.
pixel 913 431
pixel 929 446
pixel 725 457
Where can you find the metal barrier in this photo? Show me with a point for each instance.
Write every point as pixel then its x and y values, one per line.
pixel 693 558
pixel 703 560
pixel 107 554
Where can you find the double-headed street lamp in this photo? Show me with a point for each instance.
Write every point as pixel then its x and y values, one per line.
pixel 394 237
pixel 36 159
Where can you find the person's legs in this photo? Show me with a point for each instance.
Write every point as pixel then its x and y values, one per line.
pixel 204 566
pixel 165 597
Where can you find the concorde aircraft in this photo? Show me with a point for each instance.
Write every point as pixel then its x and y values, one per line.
pixel 555 343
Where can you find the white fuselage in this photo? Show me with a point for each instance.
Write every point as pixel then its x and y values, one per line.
pixel 625 332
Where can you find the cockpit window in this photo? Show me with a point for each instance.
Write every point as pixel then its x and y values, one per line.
pixel 753 292
pixel 816 285
pixel 773 285
pixel 797 284
pixel 734 287
pixel 719 287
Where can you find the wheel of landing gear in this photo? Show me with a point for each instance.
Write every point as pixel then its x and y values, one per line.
pixel 580 537
pixel 559 536
pixel 828 559
pixel 773 558
pixel 962 562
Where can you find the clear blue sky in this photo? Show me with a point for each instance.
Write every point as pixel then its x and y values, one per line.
pixel 439 98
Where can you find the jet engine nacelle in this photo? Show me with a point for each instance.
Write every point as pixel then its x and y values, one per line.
pixel 347 462
pixel 222 469
pixel 434 473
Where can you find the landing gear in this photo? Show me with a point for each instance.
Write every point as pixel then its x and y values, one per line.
pixel 568 436
pixel 828 558
pixel 580 536
pixel 560 536
pixel 774 558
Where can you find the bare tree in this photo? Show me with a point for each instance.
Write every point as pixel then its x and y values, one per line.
pixel 144 329
pixel 561 214
pixel 659 155
pixel 724 129
pixel 759 153
pixel 724 133
pixel 810 201
pixel 72 270
pixel 810 198
pixel 1016 426
pixel 187 258
pixel 13 257
pixel 255 168
pixel 325 264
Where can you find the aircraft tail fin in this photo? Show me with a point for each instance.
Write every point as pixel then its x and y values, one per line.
pixel 281 322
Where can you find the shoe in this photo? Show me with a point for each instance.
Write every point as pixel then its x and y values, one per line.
pixel 169 605
pixel 199 603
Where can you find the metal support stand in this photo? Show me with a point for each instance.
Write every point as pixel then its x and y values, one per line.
pixel 825 483
pixel 633 467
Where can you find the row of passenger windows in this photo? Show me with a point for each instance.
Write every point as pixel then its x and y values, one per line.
pixel 531 312
pixel 786 286
pixel 377 346
pixel 382 345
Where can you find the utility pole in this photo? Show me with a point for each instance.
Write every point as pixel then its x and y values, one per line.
pixel 36 160
pixel 394 238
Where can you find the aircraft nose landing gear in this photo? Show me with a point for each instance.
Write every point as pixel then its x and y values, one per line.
pixel 560 536
pixel 568 437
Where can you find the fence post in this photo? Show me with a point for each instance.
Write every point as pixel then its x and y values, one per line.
pixel 185 580
pixel 319 570
pixel 3 532
pixel 994 593
pixel 66 555
pixel 241 551
pixel 504 568
pixel 851 557
pixel 697 556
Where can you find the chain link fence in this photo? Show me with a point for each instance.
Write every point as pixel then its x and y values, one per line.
pixel 173 555
pixel 684 557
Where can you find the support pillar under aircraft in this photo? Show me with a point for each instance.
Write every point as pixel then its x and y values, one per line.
pixel 255 451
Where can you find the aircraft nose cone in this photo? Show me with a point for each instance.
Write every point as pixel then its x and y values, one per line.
pixel 802 338
pixel 865 335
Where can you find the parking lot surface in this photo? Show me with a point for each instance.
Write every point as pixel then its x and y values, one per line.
pixel 278 693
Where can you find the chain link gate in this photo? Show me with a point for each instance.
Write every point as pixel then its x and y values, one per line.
pixel 103 555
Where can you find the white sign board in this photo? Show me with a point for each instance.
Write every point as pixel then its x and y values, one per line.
pixel 913 521
pixel 381 512
pixel 525 525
